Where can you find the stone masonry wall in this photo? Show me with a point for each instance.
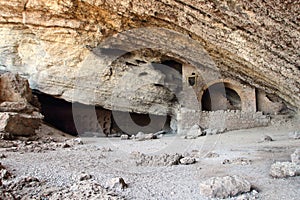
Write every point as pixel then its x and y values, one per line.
pixel 229 120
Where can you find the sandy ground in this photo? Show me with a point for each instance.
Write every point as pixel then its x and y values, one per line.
pixel 106 158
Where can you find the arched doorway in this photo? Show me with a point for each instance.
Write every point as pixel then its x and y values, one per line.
pixel 220 96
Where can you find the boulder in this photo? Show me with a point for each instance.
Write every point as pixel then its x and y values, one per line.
pixel 17 116
pixel 14 88
pixel 194 132
pixel 84 177
pixel 224 187
pixel 140 136
pixel 4 174
pixel 284 169
pixel 19 124
pixel 2 156
pixel 295 157
pixel 266 138
pixel 187 160
pixel 116 184
pixel 124 137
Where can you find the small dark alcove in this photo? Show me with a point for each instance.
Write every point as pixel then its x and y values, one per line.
pixel 220 97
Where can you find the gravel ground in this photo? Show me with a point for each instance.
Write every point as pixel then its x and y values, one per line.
pixel 233 153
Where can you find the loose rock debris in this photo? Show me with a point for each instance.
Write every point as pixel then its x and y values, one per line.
pixel 39 146
pixel 161 160
pixel 32 188
pixel 238 161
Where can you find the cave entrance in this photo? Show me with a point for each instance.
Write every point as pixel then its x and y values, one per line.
pixel 132 123
pixel 59 114
pixel 220 97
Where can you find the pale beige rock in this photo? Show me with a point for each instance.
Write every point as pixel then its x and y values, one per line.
pixel 124 137
pixel 116 184
pixel 224 187
pixel 50 42
pixel 295 157
pixel 17 116
pixel 187 161
pixel 284 169
pixel 194 132
pixel 14 88
pixel 20 124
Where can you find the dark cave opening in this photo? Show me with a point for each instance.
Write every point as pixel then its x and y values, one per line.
pixel 59 114
pixel 174 64
pixel 220 97
pixel 132 123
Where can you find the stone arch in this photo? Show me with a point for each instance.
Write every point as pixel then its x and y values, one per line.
pixel 220 96
pixel 241 97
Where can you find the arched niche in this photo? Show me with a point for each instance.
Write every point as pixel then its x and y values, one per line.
pixel 220 96
pixel 227 94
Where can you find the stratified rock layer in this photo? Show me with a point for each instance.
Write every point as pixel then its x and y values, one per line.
pixel 17 116
pixel 50 42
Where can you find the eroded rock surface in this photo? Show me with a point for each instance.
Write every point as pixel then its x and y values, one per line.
pixel 224 187
pixel 254 42
pixel 17 116
pixel 284 169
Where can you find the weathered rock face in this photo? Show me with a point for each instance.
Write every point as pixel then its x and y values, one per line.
pixel 14 88
pixel 53 44
pixel 19 124
pixel 17 116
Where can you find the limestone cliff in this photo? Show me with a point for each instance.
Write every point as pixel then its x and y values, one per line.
pixel 254 42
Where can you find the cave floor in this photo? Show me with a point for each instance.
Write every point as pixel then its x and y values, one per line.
pixel 106 158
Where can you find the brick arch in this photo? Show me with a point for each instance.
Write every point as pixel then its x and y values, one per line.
pixel 246 93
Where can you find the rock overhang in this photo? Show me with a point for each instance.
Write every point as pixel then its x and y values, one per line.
pixel 245 40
